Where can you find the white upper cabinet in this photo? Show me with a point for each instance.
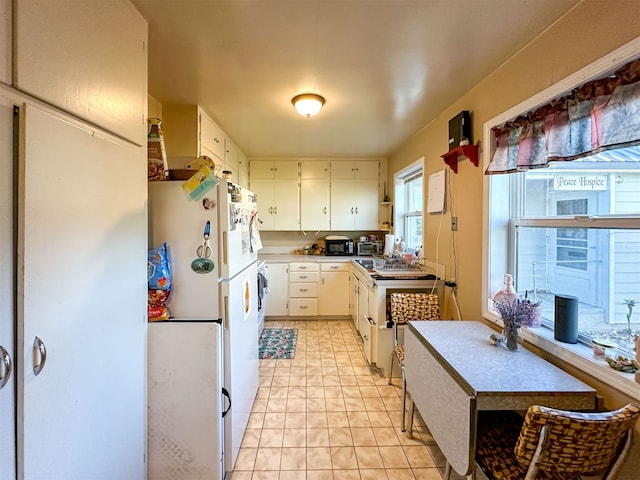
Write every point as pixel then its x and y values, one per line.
pixel 355 169
pixel 315 169
pixel 314 195
pixel 231 153
pixel 212 139
pixel 276 184
pixel 88 58
pixel 5 42
pixel 274 169
pixel 354 195
pixel 243 169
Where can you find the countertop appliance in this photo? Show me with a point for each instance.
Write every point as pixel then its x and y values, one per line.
pixel 227 292
pixel 369 248
pixel 338 245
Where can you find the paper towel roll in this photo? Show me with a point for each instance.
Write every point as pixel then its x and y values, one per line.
pixel 389 243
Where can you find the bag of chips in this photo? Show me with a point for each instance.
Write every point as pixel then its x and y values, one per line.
pixel 159 269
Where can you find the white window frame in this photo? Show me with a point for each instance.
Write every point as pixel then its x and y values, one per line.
pixel 496 237
pixel 399 194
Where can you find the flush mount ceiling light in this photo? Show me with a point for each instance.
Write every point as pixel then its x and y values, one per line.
pixel 308 104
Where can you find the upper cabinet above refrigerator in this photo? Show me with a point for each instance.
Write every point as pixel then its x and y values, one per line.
pixel 60 43
pixel 5 42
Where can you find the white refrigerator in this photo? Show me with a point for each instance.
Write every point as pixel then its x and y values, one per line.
pixel 221 289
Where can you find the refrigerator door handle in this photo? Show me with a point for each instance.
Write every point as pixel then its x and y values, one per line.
pixel 225 253
pixel 6 360
pixel 225 392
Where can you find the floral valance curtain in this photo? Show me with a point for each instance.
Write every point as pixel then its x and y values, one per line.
pixel 597 116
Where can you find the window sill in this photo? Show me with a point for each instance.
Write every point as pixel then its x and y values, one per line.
pixel 580 356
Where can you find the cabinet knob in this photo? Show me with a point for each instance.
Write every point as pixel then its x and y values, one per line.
pixel 303 276
pixel 303 289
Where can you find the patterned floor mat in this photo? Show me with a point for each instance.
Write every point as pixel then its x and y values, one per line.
pixel 278 343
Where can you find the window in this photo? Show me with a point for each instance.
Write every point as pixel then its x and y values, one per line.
pixel 585 247
pixel 574 229
pixel 408 200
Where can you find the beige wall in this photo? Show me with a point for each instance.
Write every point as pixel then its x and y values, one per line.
pixel 590 31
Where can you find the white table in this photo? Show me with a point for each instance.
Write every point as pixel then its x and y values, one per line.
pixel 452 372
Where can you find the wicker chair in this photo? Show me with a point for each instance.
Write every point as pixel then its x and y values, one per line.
pixel 407 307
pixel 554 444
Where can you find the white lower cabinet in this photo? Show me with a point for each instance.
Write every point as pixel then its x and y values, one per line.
pixel 303 289
pixel 334 288
pixel 277 299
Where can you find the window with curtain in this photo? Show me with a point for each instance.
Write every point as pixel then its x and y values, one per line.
pixel 567 221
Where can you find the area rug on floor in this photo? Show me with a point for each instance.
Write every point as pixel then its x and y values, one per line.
pixel 278 343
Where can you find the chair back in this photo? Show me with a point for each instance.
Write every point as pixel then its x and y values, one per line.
pixel 574 442
pixel 406 307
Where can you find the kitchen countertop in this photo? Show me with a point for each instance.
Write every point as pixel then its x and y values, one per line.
pixel 387 276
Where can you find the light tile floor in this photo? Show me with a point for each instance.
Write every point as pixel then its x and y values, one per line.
pixel 327 415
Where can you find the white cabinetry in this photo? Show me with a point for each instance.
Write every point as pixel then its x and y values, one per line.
pixel 88 58
pixel 334 289
pixel 276 184
pixel 193 371
pixel 212 138
pixel 7 294
pixel 354 195
pixel 277 299
pixel 59 294
pixel 5 46
pixel 243 169
pixel 314 194
pixel 303 289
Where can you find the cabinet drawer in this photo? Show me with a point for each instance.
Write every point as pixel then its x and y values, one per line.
pixel 335 267
pixel 305 290
pixel 304 277
pixel 303 267
pixel 303 306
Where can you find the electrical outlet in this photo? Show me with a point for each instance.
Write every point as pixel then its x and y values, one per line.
pixel 454 224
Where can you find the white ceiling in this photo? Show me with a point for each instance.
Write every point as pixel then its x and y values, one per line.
pixel 385 67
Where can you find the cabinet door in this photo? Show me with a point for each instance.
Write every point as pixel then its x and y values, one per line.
pixel 286 201
pixel 342 204
pixel 314 203
pixel 365 193
pixel 82 287
pixel 212 138
pixel 315 169
pixel 260 169
pixel 285 169
pixel 366 169
pixel 353 299
pixel 342 169
pixel 98 73
pixel 334 293
pixel 276 303
pixel 231 158
pixel 5 45
pixel 263 188
pixel 243 169
pixel 363 307
pixel 7 293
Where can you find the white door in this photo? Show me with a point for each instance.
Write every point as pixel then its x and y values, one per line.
pixel 82 292
pixel 7 295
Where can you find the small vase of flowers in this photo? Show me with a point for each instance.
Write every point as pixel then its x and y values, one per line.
pixel 516 313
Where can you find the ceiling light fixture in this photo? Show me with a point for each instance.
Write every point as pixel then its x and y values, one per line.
pixel 308 104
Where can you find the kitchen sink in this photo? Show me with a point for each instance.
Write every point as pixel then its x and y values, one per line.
pixel 366 263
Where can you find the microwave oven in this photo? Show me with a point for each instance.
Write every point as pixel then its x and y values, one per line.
pixel 369 248
pixel 338 245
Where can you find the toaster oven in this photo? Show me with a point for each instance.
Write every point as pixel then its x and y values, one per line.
pixel 369 248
